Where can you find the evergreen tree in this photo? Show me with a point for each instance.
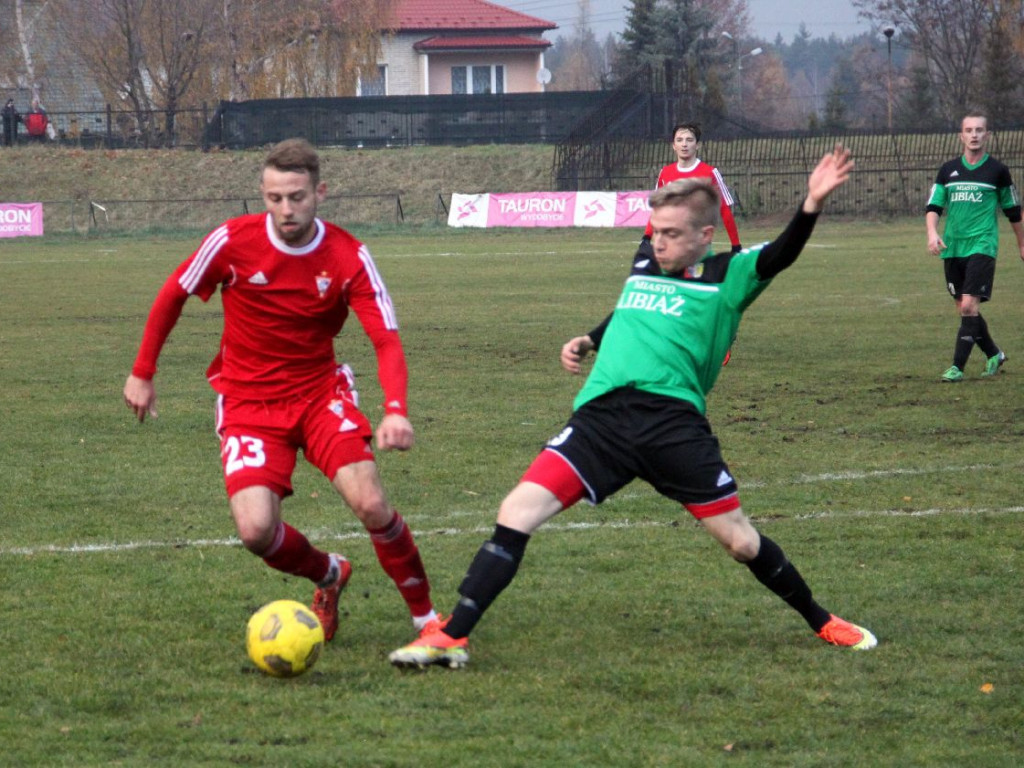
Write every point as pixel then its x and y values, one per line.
pixel 835 109
pixel 1000 95
pixel 917 109
pixel 637 36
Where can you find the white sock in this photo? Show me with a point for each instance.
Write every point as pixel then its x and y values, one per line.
pixel 421 621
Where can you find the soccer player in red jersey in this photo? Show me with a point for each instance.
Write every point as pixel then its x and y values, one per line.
pixel 686 144
pixel 288 280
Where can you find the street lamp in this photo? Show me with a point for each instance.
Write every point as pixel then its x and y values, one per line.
pixel 889 32
pixel 739 67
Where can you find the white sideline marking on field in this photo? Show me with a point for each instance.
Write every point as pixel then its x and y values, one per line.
pixel 829 477
pixel 79 549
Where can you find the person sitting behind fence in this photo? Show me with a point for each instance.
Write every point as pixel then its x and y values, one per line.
pixel 36 121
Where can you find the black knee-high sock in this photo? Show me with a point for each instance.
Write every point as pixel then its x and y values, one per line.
pixel 492 570
pixel 780 576
pixel 970 329
pixel 984 339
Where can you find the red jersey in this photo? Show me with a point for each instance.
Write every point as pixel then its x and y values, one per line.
pixel 283 306
pixel 701 170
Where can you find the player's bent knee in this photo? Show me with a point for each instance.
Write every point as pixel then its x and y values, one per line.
pixel 257 539
pixel 735 533
pixel 373 511
pixel 527 507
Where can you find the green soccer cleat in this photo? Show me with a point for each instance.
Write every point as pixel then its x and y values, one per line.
pixel 842 633
pixel 432 647
pixel 994 363
pixel 952 375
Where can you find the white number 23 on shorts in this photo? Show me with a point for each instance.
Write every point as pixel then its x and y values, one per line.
pixel 240 452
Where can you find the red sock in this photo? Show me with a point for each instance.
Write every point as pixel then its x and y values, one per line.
pixel 292 553
pixel 400 560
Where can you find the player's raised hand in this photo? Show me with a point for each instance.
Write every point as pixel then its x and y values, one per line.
pixel 831 172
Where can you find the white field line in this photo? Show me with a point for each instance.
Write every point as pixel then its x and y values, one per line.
pixel 831 477
pixel 567 527
pixel 570 526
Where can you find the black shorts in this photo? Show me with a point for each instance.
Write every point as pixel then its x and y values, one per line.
pixel 629 434
pixel 971 275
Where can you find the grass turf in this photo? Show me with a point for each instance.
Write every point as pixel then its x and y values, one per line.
pixel 628 637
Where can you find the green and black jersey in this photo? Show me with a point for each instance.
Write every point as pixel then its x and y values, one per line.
pixel 972 195
pixel 670 333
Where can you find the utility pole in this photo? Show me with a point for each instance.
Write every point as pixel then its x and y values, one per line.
pixel 739 68
pixel 889 32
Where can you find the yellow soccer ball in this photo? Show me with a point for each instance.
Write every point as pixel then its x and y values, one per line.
pixel 284 638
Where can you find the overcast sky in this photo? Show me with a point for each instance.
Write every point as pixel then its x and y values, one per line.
pixel 770 17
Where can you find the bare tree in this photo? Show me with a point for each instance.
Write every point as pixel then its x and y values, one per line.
pixel 277 48
pixel 949 36
pixel 154 55
pixel 25 21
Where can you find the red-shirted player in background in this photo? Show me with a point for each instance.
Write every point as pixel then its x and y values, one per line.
pixel 686 143
pixel 287 282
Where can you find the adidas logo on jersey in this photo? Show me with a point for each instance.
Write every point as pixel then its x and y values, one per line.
pixel 954 173
pixel 259 279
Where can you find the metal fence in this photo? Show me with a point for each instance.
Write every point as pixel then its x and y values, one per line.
pixel 768 175
pixel 380 121
pixel 370 121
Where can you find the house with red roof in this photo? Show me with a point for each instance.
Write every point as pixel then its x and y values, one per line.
pixel 460 46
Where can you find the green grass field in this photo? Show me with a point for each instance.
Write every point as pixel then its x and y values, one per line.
pixel 628 638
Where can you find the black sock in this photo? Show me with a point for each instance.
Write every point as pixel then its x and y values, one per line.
pixel 492 570
pixel 772 569
pixel 984 340
pixel 968 334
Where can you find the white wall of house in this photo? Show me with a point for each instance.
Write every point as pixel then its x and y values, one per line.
pixel 405 66
pixel 519 69
pixel 410 73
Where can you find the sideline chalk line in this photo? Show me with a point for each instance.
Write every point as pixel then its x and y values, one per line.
pixel 569 527
pixel 103 548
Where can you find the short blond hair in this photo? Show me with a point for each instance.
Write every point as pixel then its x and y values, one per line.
pixel 699 196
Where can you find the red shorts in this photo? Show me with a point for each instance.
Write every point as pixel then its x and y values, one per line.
pixel 259 439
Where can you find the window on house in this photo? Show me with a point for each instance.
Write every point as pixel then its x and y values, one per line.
pixel 375 86
pixel 478 79
pixel 459 79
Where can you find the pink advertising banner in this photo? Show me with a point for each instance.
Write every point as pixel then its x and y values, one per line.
pixel 550 209
pixel 21 219
pixel 532 209
pixel 631 209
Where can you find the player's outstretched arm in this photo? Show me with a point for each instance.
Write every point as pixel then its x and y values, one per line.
pixel 831 173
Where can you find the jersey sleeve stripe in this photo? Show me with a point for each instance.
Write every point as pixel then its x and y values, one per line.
pixel 189 281
pixel 387 309
pixel 726 194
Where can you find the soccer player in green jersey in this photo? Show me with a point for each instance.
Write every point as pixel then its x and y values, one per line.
pixel 641 410
pixel 972 189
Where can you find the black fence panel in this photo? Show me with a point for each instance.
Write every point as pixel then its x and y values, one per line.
pixel 379 121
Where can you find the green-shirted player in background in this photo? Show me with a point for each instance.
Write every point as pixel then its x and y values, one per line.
pixel 641 410
pixel 972 189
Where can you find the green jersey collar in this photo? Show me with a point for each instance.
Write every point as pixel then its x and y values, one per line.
pixel 963 159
